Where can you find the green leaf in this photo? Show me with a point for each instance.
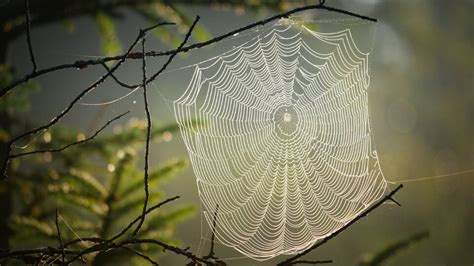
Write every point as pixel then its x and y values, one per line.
pixel 168 169
pixel 17 100
pixel 125 167
pixel 68 25
pixel 110 44
pixel 393 249
pixel 84 183
pixel 200 33
pixel 66 195
pixel 166 219
pixel 132 205
pixel 27 225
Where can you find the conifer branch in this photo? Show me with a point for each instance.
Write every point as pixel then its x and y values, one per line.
pixel 12 156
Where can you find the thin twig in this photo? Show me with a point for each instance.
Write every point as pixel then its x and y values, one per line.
pixel 175 52
pixel 140 254
pixel 261 23
pixel 147 142
pixel 107 245
pixel 179 251
pixel 123 84
pixel 212 255
pixel 71 144
pixel 290 260
pixel 28 36
pixel 124 230
pixel 82 64
pixel 43 250
pixel 148 116
pixel 60 239
pixel 213 236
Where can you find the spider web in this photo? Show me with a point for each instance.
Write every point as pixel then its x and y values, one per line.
pixel 285 150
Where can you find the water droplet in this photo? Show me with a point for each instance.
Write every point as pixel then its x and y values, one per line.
pixel 111 167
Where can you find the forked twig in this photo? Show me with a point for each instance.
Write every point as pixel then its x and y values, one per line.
pixel 148 116
pixel 212 254
pixel 147 142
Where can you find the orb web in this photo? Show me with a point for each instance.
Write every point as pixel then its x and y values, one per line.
pixel 286 150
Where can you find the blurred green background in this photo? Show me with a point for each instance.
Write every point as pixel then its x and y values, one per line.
pixel 421 107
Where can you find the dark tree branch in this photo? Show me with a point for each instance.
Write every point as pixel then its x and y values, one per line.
pixel 179 251
pixel 19 254
pixel 76 99
pixel 147 142
pixel 28 36
pixel 60 239
pixel 122 84
pixel 175 52
pixel 212 255
pixel 294 258
pixel 152 262
pixel 121 233
pixel 82 64
pixel 214 224
pixel 148 116
pixel 261 23
pixel 71 144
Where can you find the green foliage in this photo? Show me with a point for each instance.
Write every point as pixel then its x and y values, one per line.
pixel 109 42
pixel 392 249
pixel 16 101
pixel 98 188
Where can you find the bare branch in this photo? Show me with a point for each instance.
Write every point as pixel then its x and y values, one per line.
pixel 175 52
pixel 140 254
pixel 148 116
pixel 82 64
pixel 179 251
pixel 76 99
pixel 147 142
pixel 122 84
pixel 212 255
pixel 71 144
pixel 261 23
pixel 36 251
pixel 292 259
pixel 28 36
pixel 121 233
